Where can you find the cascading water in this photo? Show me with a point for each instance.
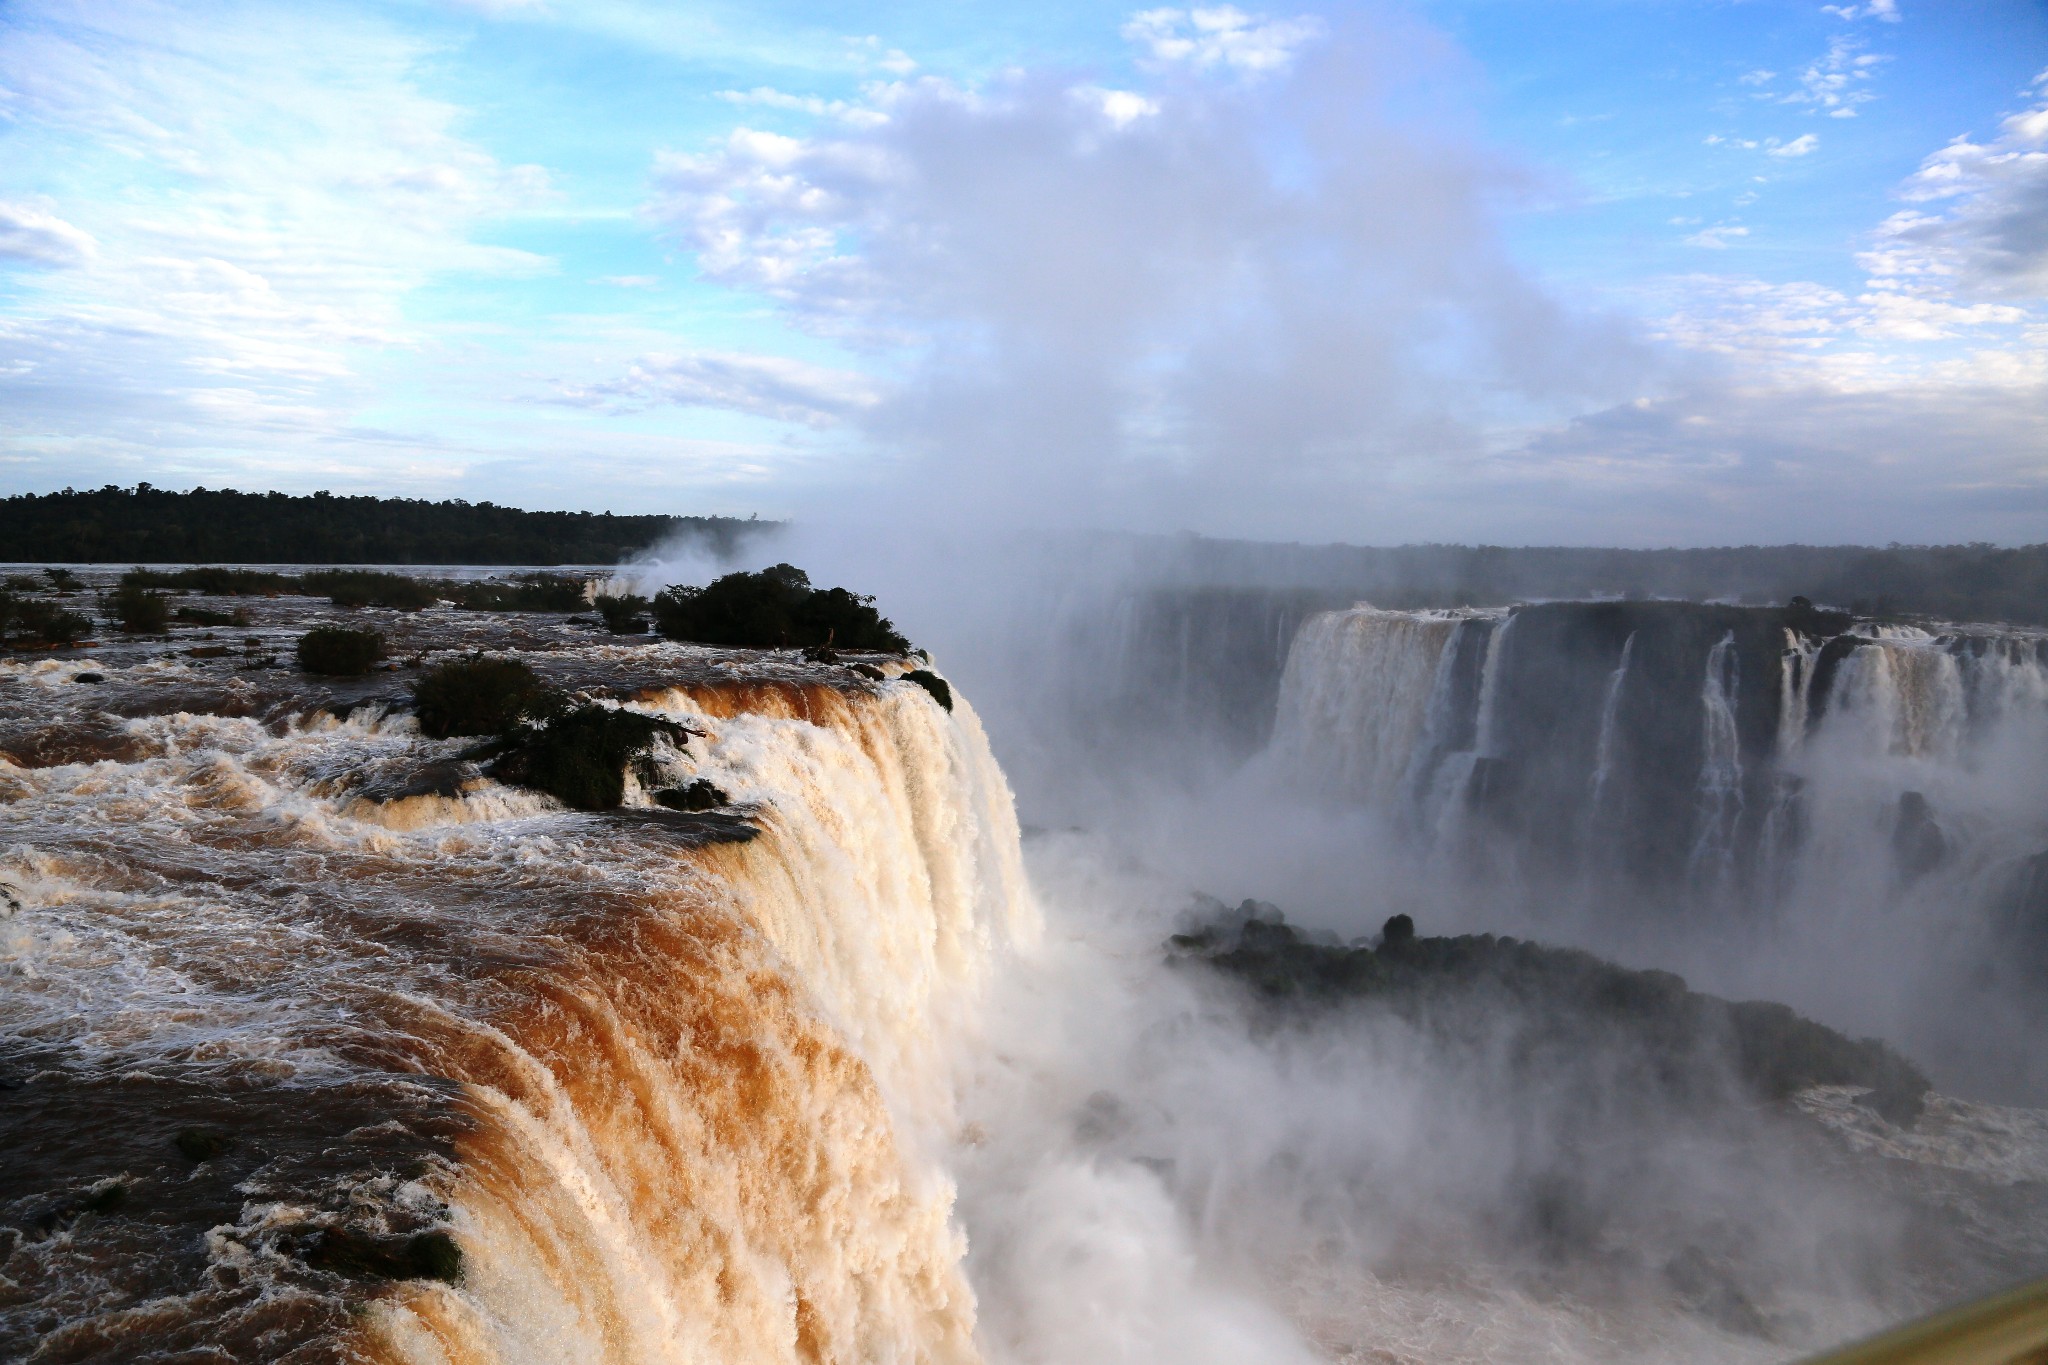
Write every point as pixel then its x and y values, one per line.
pixel 1720 783
pixel 1610 730
pixel 676 1084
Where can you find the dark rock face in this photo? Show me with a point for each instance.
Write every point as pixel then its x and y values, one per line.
pixel 1557 667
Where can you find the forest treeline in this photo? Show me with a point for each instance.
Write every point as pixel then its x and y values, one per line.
pixel 145 525
pixel 1978 582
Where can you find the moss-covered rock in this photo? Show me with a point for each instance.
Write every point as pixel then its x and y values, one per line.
pixel 941 691
pixel 1562 1002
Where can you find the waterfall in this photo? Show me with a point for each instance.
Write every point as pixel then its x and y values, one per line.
pixel 1610 714
pixel 1720 781
pixel 679 1093
pixel 1356 698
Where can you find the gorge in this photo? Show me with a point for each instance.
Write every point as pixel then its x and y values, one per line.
pixel 320 1042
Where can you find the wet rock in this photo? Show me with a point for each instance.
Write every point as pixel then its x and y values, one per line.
pixel 700 795
pixel 201 1144
pixel 940 690
pixel 367 1256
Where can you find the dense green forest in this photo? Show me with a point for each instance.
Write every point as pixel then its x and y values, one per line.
pixel 146 525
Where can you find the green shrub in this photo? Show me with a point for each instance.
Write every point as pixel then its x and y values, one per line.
pixel 33 619
pixel 775 608
pixel 137 610
pixel 623 615
pixel 479 695
pixel 339 651
pixel 216 581
pixel 61 580
pixel 579 757
pixel 369 588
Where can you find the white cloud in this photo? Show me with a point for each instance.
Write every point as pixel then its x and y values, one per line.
pixel 630 281
pixel 1798 146
pixel 1120 107
pixel 846 110
pixel 1758 77
pixel 1839 81
pixel 1984 227
pixel 1222 35
pixel 762 385
pixel 41 238
pixel 1716 237
pixel 285 187
pixel 1887 10
pixel 1225 309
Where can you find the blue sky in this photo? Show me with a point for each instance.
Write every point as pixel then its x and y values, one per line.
pixel 1612 271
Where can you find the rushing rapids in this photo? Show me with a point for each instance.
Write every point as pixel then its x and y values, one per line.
pixel 319 1044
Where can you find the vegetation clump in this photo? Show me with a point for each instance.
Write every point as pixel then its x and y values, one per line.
pixel 370 588
pixel 775 608
pixel 626 615
pixel 339 651
pixel 1560 1002
pixel 579 755
pixel 479 695
pixel 528 592
pixel 137 610
pixel 32 620
pixel 215 581
pixel 941 690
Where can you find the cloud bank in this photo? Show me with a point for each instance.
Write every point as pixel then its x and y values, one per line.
pixel 1271 275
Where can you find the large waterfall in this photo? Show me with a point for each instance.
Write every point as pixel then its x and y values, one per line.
pixel 679 1088
pixel 1875 788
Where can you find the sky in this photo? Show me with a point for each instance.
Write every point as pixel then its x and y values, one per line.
pixel 1635 272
